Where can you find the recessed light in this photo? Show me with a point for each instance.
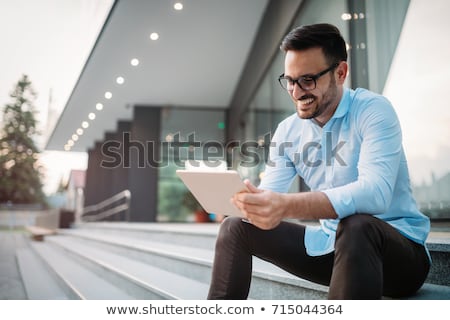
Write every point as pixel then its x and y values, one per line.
pixel 134 62
pixel 67 148
pixel 346 16
pixel 70 143
pixel 178 6
pixel 169 138
pixel 99 106
pixel 85 124
pixel 79 131
pixel 108 95
pixel 91 116
pixel 120 80
pixel 75 137
pixel 154 36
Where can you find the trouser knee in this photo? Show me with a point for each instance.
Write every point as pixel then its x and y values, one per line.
pixel 357 231
pixel 230 230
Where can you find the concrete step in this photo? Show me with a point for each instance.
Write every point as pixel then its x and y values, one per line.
pixel 188 234
pixel 78 280
pixel 166 261
pixel 431 291
pixel 37 279
pixel 138 279
pixel 439 247
pixel 204 236
pixel 163 246
pixel 269 281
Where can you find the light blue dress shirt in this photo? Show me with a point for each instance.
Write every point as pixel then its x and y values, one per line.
pixel 356 159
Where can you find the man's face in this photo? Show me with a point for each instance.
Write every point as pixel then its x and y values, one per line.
pixel 321 102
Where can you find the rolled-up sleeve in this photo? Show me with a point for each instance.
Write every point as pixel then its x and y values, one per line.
pixel 378 164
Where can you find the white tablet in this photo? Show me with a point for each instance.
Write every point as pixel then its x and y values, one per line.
pixel 214 189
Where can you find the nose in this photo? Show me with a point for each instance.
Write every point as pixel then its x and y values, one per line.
pixel 297 92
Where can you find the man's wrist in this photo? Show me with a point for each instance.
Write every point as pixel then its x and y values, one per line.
pixel 290 205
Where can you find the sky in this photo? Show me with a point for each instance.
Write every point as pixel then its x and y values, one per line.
pixel 48 40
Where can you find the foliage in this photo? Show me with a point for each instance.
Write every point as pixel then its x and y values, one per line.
pixel 190 202
pixel 170 200
pixel 20 177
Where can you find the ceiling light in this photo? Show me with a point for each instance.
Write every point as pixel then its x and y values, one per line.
pixel 79 131
pixel 108 95
pixel 169 137
pixel 75 137
pixel 154 36
pixel 70 143
pixel 91 116
pixel 120 80
pixel 99 106
pixel 178 6
pixel 85 124
pixel 67 148
pixel 134 62
pixel 346 16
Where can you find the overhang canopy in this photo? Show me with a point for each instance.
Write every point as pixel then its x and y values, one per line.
pixel 196 61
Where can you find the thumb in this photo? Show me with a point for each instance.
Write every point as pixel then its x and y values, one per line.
pixel 251 187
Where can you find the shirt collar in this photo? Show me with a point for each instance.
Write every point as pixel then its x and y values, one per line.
pixel 344 105
pixel 341 109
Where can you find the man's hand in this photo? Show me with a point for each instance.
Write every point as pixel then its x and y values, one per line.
pixel 264 209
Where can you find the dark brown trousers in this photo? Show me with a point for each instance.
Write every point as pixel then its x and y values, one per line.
pixel 371 259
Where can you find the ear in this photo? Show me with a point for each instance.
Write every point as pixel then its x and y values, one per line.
pixel 341 72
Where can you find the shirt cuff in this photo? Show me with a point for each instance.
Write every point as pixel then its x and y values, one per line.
pixel 341 200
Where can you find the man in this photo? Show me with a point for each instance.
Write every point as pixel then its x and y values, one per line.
pixel 346 145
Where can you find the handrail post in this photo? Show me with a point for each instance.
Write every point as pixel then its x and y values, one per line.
pixel 128 202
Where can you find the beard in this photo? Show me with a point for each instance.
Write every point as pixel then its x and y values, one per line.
pixel 329 101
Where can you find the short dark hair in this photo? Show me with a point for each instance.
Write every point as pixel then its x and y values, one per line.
pixel 321 35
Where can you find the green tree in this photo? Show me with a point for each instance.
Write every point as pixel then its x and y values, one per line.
pixel 20 177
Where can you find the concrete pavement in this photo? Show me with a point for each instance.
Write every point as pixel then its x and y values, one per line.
pixel 11 287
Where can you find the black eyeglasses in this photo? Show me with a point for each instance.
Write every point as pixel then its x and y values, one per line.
pixel 307 83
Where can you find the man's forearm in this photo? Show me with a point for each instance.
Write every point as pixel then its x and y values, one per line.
pixel 309 205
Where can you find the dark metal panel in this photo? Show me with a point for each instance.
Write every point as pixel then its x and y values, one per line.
pixel 143 176
pixel 276 22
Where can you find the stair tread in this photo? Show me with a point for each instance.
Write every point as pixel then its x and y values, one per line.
pixel 207 229
pixel 38 283
pixel 261 268
pixel 145 245
pixel 431 291
pixel 179 287
pixel 85 282
pixel 441 238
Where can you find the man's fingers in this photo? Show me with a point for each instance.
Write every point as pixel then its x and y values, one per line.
pixel 251 187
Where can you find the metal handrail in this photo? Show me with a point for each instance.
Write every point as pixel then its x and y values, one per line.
pixel 101 213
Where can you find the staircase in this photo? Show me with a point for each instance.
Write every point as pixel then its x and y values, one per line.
pixel 123 261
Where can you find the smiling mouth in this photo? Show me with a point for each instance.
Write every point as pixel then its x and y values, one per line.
pixel 305 102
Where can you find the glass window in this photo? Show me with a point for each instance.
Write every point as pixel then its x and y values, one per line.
pixel 186 134
pixel 384 21
pixel 271 104
pixel 417 82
